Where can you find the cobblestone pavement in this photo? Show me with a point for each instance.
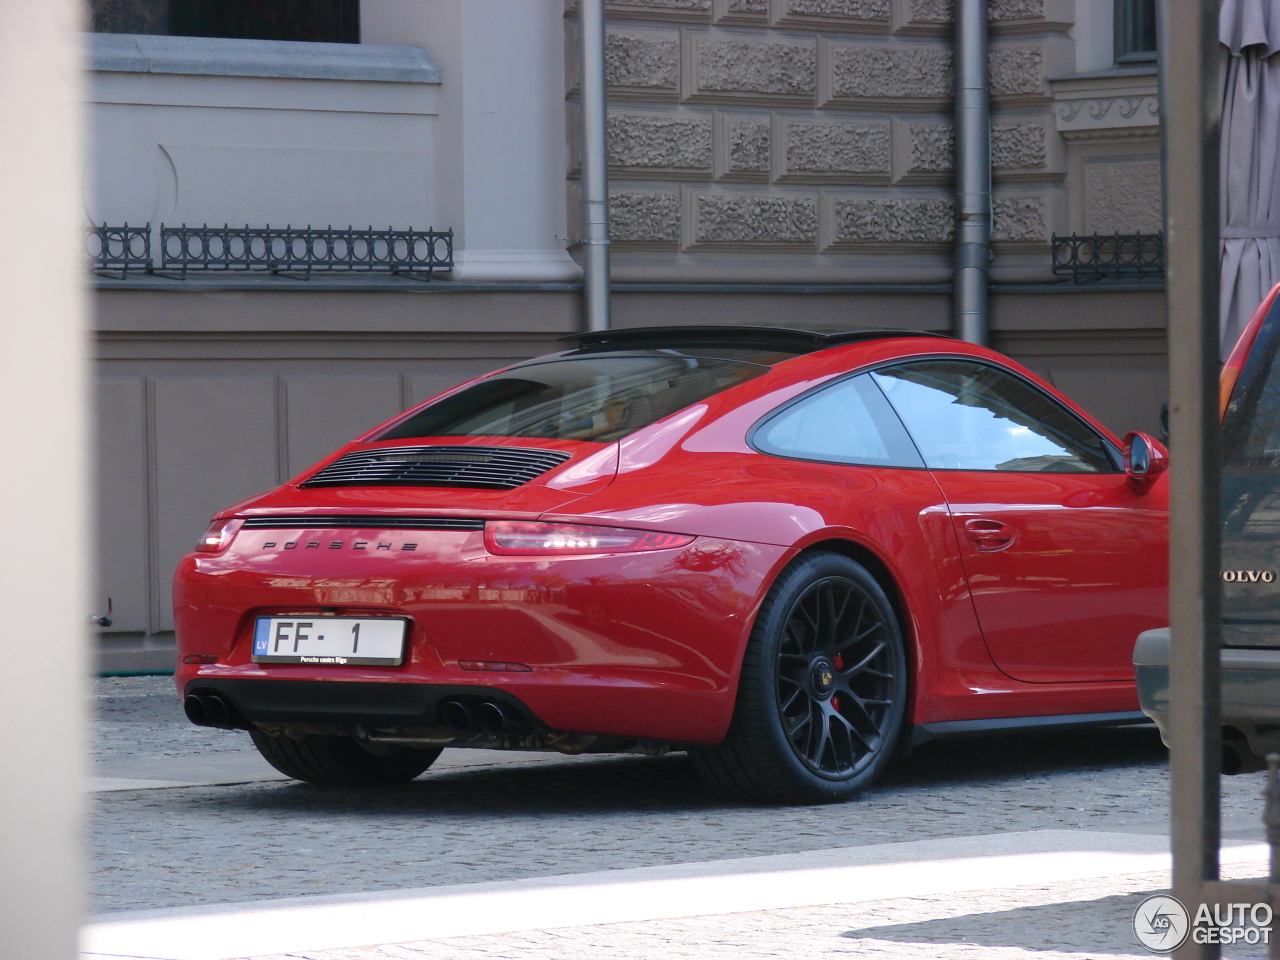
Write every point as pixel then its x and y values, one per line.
pixel 141 717
pixel 1058 921
pixel 204 845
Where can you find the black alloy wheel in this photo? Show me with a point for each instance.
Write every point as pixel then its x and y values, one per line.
pixel 823 689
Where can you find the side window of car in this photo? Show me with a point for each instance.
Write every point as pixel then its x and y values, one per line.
pixel 971 416
pixel 846 422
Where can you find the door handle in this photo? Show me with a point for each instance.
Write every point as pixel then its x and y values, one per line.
pixel 988 535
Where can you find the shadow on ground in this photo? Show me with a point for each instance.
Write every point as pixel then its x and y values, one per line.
pixel 612 783
pixel 1088 926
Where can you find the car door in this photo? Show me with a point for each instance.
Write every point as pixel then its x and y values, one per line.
pixel 1066 564
pixel 860 470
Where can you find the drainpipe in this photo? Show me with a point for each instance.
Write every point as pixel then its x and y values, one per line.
pixel 595 169
pixel 973 173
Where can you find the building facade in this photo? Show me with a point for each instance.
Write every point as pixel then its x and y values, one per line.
pixel 783 162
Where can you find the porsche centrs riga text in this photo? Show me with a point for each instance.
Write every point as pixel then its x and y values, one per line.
pixel 785 553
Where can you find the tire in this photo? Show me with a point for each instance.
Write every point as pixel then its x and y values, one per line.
pixel 823 690
pixel 342 761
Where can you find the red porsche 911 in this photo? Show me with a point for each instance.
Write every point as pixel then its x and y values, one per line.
pixel 790 554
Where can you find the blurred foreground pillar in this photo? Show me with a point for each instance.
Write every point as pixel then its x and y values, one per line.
pixel 43 470
pixel 1191 114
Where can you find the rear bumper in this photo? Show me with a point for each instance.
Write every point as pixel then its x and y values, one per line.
pixel 644 646
pixel 1250 688
pixel 379 705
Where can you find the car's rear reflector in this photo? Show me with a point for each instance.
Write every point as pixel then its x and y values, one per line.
pixel 493 667
pixel 520 538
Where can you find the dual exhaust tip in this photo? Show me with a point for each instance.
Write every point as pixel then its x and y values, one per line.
pixel 483 716
pixel 207 708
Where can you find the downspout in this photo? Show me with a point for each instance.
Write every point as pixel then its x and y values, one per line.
pixel 595 169
pixel 973 173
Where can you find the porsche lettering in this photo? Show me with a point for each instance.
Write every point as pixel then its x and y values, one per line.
pixel 339 544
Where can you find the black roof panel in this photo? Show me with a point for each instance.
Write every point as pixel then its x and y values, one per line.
pixel 779 339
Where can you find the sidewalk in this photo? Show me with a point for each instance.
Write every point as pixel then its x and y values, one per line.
pixel 1048 894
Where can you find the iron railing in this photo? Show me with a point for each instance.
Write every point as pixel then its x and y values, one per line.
pixel 277 250
pixel 305 250
pixel 122 248
pixel 1116 256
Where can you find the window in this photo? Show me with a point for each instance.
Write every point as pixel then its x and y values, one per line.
pixel 1135 30
pixel 970 416
pixel 598 398
pixel 1251 425
pixel 332 21
pixel 847 422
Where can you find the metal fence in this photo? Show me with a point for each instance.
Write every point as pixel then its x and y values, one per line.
pixel 122 248
pixel 278 250
pixel 1117 256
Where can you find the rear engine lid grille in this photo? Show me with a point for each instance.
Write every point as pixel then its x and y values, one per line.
pixel 362 523
pixel 485 468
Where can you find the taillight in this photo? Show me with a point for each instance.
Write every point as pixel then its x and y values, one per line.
pixel 520 538
pixel 218 537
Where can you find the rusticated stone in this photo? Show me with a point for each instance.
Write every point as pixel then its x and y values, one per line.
pixel 1017 145
pixel 840 9
pixel 734 218
pixel 933 148
pixel 897 220
pixel 748 6
pixel 1016 71
pixel 748 146
pixel 878 73
pixel 728 66
pixel 1018 220
pixel 838 148
pixel 930 11
pixel 642 60
pixel 942 11
pixel 1122 197
pixel 1015 9
pixel 645 140
pixel 663 4
pixel 644 217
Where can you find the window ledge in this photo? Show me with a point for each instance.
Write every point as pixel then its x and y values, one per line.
pixel 212 56
pixel 1123 71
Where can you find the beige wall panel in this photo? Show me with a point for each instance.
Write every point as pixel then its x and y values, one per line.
pixel 1123 395
pixel 323 413
pixel 825 312
pixel 120 448
pixel 215 443
pixel 1078 309
pixel 414 307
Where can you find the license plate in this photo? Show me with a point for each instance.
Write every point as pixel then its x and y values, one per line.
pixel 340 641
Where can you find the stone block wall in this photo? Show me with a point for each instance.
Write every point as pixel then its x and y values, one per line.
pixel 816 137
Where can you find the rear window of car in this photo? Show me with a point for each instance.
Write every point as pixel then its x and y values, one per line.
pixel 594 398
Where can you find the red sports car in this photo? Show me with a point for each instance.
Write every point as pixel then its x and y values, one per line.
pixel 789 554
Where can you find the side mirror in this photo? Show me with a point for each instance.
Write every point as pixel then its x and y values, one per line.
pixel 1145 458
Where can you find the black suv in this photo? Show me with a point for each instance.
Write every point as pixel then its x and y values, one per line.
pixel 1250 387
